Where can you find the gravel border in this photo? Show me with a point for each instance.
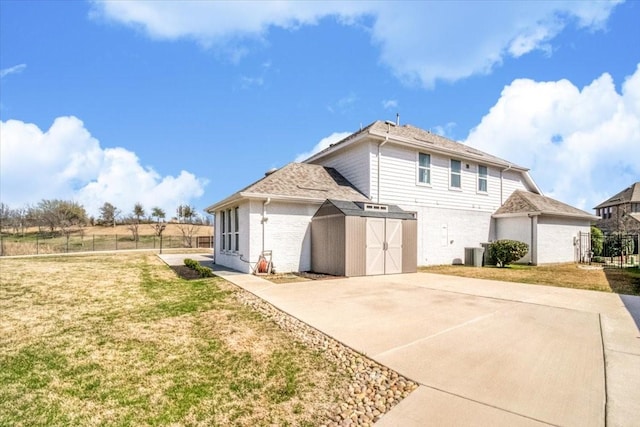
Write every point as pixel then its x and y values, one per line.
pixel 374 389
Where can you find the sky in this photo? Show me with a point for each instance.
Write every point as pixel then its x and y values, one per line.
pixel 166 103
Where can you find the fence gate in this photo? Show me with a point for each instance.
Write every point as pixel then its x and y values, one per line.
pixel 583 247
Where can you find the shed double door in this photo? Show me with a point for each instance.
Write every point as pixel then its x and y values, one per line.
pixel 384 246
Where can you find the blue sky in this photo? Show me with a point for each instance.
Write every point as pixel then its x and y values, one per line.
pixel 186 102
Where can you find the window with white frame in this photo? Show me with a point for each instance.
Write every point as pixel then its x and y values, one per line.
pixel 482 179
pixel 236 229
pixel 229 234
pixel 455 180
pixel 223 227
pixel 424 168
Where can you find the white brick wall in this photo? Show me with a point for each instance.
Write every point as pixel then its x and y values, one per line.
pixel 556 238
pixel 515 228
pixel 444 233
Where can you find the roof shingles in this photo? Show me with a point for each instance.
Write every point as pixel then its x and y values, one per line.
pixel 300 181
pixel 525 202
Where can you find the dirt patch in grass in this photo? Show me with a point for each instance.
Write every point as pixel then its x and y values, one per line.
pixel 120 339
pixel 623 281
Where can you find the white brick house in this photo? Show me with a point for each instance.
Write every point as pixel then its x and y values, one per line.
pixel 455 190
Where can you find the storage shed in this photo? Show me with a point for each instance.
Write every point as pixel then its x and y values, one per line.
pixel 363 239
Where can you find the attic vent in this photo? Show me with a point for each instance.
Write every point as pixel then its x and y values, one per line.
pixel 270 171
pixel 375 208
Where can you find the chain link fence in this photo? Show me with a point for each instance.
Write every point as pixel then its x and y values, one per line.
pixel 40 244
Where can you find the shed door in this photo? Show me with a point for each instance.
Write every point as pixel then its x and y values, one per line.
pixel 375 235
pixel 393 252
pixel 384 246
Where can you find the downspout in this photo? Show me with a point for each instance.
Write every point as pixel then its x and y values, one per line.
pixel 264 219
pixel 386 139
pixel 501 184
pixel 533 249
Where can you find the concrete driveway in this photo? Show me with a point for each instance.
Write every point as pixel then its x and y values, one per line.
pixel 484 352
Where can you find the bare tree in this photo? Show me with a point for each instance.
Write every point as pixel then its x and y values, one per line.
pixel 134 221
pixel 158 214
pixel 186 223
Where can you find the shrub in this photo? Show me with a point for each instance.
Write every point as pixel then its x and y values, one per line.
pixel 195 265
pixel 504 252
pixel 597 240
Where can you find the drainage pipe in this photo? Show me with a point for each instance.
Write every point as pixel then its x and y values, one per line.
pixel 264 219
pixel 386 139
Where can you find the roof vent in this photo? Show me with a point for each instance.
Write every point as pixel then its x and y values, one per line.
pixel 270 171
pixel 376 208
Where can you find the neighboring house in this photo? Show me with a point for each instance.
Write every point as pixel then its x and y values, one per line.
pixel 453 189
pixel 620 212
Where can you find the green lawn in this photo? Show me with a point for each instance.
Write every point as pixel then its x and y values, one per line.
pixel 622 281
pixel 120 340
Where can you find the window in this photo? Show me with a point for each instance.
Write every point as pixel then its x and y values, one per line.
pixel 236 229
pixel 424 168
pixel 482 179
pixel 456 174
pixel 229 229
pixel 223 227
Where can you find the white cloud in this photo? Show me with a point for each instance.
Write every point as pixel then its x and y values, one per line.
pixel 344 104
pixel 389 104
pixel 322 144
pixel 445 130
pixel 66 162
pixel 582 145
pixel 420 42
pixel 16 69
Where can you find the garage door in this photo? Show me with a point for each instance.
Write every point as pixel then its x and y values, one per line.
pixel 384 246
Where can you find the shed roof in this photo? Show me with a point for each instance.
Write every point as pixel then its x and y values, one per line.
pixel 298 182
pixel 357 208
pixel 524 202
pixel 628 195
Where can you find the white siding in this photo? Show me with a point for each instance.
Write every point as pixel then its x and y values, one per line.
pixel 399 184
pixel 556 238
pixel 354 164
pixel 516 228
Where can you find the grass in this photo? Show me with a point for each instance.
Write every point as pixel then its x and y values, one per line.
pixel 121 340
pixel 622 281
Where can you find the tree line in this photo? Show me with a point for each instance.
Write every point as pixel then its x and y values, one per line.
pixel 65 217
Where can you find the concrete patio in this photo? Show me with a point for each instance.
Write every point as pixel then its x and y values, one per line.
pixel 484 352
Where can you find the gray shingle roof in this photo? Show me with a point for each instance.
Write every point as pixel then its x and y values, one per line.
pixel 350 208
pixel 525 202
pixel 420 137
pixel 299 181
pixel 629 194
